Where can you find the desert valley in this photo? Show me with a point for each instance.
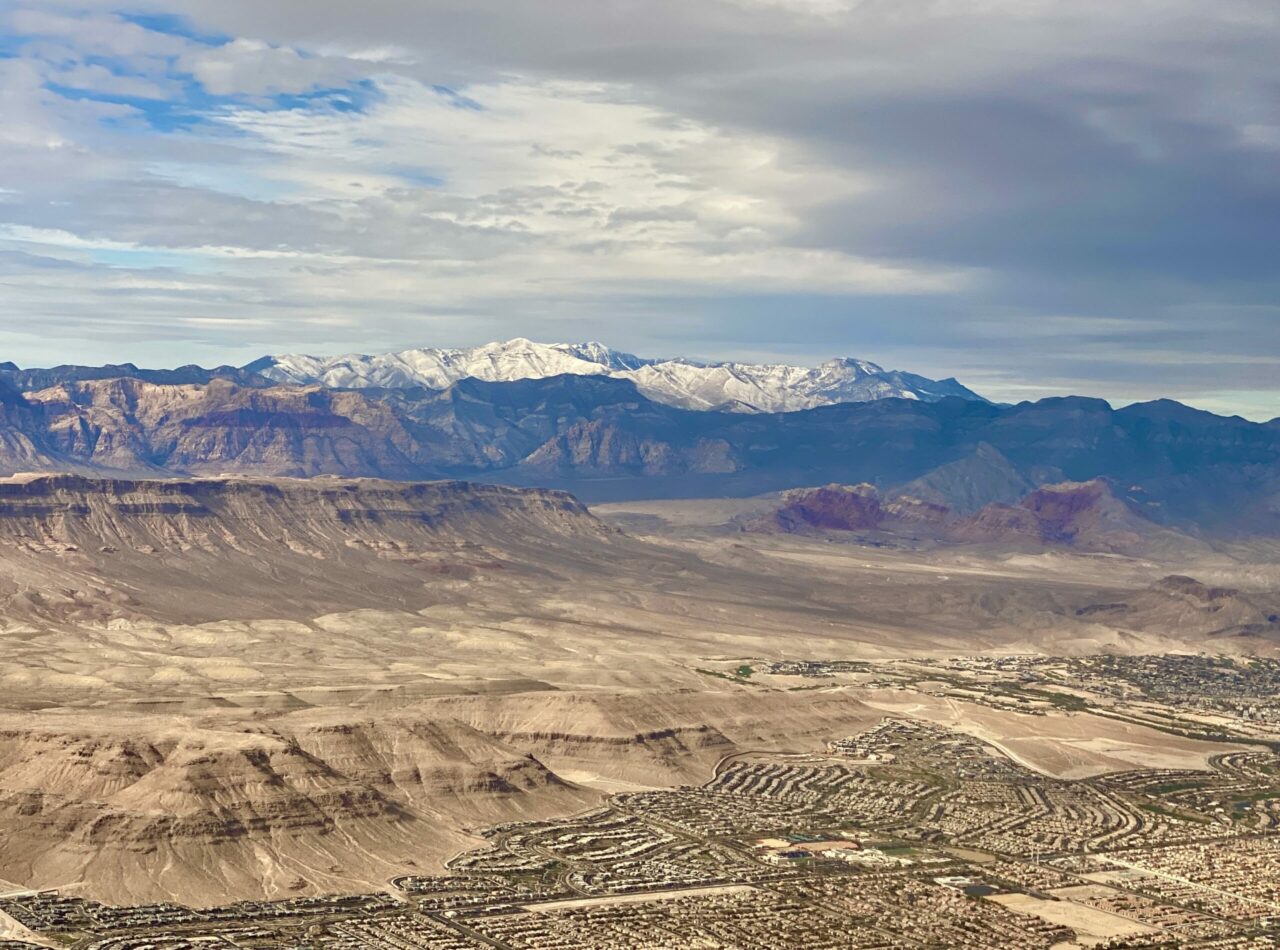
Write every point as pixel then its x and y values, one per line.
pixel 250 654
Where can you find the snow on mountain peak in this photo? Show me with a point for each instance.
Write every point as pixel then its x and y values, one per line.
pixel 846 363
pixel 739 387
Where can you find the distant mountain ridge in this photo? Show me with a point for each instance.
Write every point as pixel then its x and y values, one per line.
pixel 680 382
pixel 601 438
pixel 14 377
pixel 687 384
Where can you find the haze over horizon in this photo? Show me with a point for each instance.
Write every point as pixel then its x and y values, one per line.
pixel 1035 200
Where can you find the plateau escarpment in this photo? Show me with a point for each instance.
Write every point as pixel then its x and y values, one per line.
pixel 221 548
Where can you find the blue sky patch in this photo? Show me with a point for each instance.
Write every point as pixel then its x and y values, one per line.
pixel 415 176
pixel 160 115
pixel 457 99
pixel 357 97
pixel 171 24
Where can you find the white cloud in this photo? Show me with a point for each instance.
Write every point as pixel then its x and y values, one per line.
pixel 102 81
pixel 103 34
pixel 246 66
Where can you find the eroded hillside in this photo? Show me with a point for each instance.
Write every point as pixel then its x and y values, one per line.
pixel 230 687
pixel 78 548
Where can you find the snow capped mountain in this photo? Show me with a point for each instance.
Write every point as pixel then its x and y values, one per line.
pixel 744 387
pixel 736 387
pixel 439 368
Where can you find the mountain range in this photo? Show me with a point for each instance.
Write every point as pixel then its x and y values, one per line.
pixel 602 438
pixel 687 384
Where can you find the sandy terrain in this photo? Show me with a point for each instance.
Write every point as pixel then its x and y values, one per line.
pixel 217 692
pixel 1091 925
pixel 1065 745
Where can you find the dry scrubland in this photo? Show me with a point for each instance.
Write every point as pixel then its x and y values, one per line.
pixel 225 688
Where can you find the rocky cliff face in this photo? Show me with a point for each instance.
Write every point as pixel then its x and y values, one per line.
pixel 22 443
pixel 132 425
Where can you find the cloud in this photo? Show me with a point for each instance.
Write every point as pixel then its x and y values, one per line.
pixel 1025 192
pixel 103 82
pixel 103 34
pixel 252 67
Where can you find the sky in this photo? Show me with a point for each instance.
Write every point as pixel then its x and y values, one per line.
pixel 1036 197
